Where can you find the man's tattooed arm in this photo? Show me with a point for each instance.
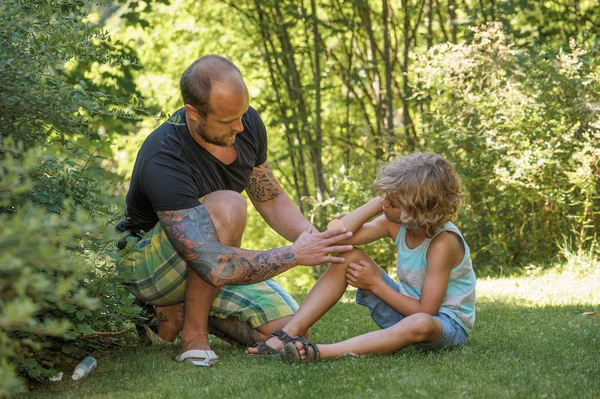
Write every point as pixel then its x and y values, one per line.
pixel 274 205
pixel 195 239
pixel 263 184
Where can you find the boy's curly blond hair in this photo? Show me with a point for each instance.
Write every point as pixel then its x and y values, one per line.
pixel 427 188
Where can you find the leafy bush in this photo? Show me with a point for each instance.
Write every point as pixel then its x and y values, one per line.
pixel 59 297
pixel 522 129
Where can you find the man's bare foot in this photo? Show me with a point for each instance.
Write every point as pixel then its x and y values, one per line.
pixel 234 331
pixel 198 352
pixel 170 321
pixel 200 344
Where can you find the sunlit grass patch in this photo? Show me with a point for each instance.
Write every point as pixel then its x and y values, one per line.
pixel 552 288
pixel 531 340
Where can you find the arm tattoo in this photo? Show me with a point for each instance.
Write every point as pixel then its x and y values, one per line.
pixel 263 184
pixel 193 235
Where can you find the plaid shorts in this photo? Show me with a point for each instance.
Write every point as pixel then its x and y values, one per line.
pixel 154 273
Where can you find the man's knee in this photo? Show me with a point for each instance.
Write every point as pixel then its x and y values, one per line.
pixel 215 204
pixel 227 210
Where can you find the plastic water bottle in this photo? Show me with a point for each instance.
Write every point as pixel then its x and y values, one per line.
pixel 84 367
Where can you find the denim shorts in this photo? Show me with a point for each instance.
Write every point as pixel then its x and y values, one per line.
pixel 385 316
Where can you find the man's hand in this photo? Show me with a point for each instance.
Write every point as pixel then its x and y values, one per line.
pixel 364 274
pixel 314 248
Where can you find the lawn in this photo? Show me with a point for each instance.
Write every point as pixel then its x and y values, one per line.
pixel 531 340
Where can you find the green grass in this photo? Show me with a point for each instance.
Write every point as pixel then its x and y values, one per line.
pixel 531 340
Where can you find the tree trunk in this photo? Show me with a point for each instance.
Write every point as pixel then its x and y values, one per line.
pixel 388 80
pixel 296 94
pixel 452 19
pixel 298 169
pixel 429 24
pixel 318 132
pixel 406 121
pixel 365 14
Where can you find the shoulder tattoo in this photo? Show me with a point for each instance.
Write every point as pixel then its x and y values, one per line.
pixel 263 184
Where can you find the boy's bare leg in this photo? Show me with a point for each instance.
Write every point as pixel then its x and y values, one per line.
pixel 325 293
pixel 267 329
pixel 413 329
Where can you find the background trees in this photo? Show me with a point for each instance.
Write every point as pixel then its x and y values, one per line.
pixel 346 85
pixel 507 90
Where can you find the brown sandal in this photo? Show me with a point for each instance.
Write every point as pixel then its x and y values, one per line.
pixel 291 353
pixel 266 351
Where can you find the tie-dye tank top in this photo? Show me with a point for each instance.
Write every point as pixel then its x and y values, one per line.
pixel 459 300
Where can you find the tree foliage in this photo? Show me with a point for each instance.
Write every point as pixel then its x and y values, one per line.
pixel 489 99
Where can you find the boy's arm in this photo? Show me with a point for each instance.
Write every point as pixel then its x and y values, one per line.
pixel 365 233
pixel 445 253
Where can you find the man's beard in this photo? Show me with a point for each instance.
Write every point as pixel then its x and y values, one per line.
pixel 225 141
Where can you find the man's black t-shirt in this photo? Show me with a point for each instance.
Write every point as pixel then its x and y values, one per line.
pixel 173 172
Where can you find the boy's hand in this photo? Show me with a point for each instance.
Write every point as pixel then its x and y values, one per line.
pixel 364 274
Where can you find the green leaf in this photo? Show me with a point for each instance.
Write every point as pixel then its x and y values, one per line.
pixel 53 208
pixel 71 335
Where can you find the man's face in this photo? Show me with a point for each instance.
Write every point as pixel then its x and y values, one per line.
pixel 222 125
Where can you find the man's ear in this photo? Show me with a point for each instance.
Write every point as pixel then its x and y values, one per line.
pixel 191 112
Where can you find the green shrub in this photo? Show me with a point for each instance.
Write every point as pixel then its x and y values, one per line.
pixel 522 129
pixel 59 296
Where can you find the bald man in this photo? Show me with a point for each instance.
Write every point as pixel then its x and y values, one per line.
pixel 187 216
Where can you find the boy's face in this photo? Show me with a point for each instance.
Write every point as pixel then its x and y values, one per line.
pixel 391 208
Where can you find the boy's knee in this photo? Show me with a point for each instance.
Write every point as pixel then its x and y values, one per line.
pixel 355 255
pixel 421 326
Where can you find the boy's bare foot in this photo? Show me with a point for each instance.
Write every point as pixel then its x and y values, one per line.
pixel 301 351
